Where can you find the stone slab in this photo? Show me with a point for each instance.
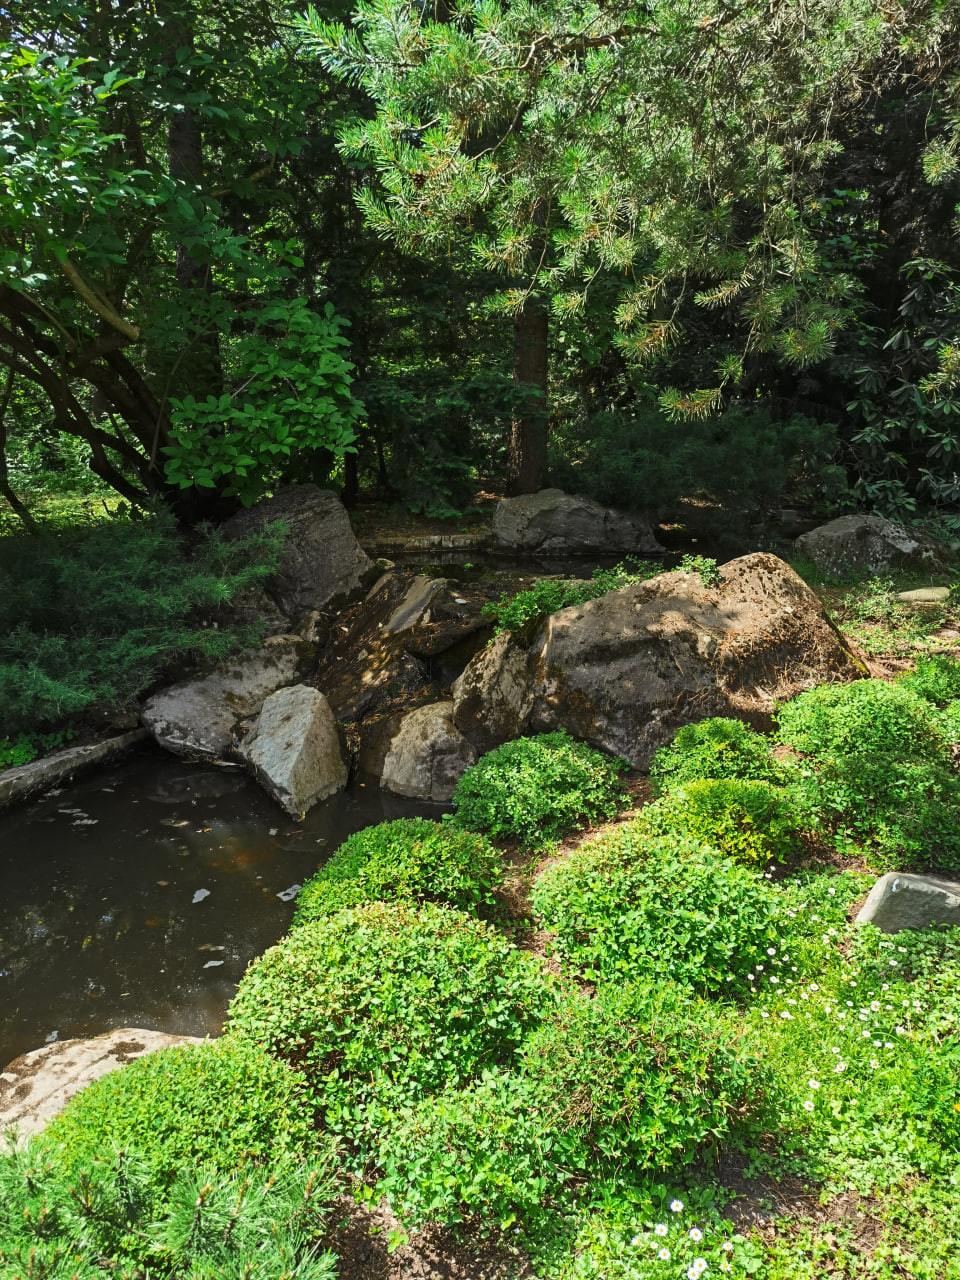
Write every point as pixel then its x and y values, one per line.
pixel 899 901
pixel 28 779
pixel 39 1084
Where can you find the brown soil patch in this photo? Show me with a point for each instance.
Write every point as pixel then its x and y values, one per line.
pixel 362 1242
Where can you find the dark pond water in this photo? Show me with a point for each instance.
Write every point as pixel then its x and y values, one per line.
pixel 139 895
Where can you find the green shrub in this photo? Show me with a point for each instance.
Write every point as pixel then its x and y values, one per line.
pixel 715 748
pixel 89 617
pixel 936 678
pixel 639 1077
pixel 535 790
pixel 628 906
pixel 547 595
pixel 630 1081
pixel 221 1105
pixel 411 859
pixel 866 717
pixel 704 567
pixel 390 1001
pixel 908 810
pixel 81 1224
pixel 747 820
pixel 28 746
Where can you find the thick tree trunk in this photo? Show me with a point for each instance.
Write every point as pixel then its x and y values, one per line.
pixel 528 431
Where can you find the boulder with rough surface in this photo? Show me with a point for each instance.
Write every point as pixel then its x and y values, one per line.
pixel 427 756
pixel 870 544
pixel 554 522
pixel 899 901
pixel 294 749
pixel 322 559
pixel 38 1085
pixel 626 671
pixel 198 718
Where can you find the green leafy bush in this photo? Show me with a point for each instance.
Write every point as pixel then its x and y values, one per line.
pixel 628 906
pixel 864 717
pixel 89 617
pixel 390 1002
pixel 28 746
pixel 547 595
pixel 908 810
pixel 936 678
pixel 412 859
pixel 640 1076
pixel 221 1105
pixel 706 569
pixel 535 790
pixel 630 1081
pixel 748 820
pixel 101 1219
pixel 715 748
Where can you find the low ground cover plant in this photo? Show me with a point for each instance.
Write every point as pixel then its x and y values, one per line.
pixel 714 748
pixel 751 821
pixel 412 859
pixel 384 1004
pixel 536 790
pixel 627 906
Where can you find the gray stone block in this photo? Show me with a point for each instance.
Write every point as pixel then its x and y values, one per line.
pixel 898 901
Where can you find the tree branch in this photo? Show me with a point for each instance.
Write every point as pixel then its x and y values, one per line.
pixel 101 307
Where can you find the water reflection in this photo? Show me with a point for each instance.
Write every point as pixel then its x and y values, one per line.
pixel 140 895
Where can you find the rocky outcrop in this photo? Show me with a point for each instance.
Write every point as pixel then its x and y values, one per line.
pixel 198 718
pixel 554 522
pixel 38 1085
pixel 294 751
pixel 427 755
pixel 625 671
pixel 870 544
pixel 899 901
pixel 322 559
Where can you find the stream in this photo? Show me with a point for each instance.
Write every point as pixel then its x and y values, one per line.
pixel 138 895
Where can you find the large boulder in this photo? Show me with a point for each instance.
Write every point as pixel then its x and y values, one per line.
pixel 321 561
pixel 38 1085
pixel 294 749
pixel 427 755
pixel 870 544
pixel 899 901
pixel 553 522
pixel 198 718
pixel 625 671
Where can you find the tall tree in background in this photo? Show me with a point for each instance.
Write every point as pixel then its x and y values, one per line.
pixel 133 137
pixel 671 146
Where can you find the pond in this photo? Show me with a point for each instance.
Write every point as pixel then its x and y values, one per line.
pixel 138 895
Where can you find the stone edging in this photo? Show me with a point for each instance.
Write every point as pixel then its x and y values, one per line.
pixel 27 779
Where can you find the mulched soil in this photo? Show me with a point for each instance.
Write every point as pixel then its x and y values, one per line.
pixel 361 1240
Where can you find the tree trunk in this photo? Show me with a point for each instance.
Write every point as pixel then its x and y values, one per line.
pixel 528 431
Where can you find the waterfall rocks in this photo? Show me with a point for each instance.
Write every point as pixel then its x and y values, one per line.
pixel 294 749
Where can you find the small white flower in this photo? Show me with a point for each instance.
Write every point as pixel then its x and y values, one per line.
pixel 874 1063
pixel 774 979
pixel 727 1247
pixel 699 1265
pixel 695 1234
pixel 663 1255
pixel 676 1206
pixel 814 986
pixel 887 1044
pixel 831 891
pixel 636 1240
pixel 725 1265
pixel 786 1016
pixel 660 1229
pixel 813 1084
pixel 764 1015
pixel 875 1006
pixel 834 1049
pixel 808 1105
pixel 771 951
pixel 841 1066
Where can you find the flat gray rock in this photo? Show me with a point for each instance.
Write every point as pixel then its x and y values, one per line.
pixel 870 544
pixel 898 901
pixel 427 756
pixel 414 608
pixel 294 749
pixel 554 522
pixel 198 718
pixel 38 1085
